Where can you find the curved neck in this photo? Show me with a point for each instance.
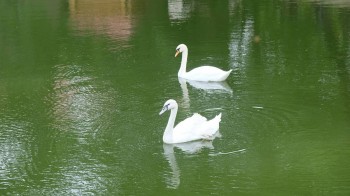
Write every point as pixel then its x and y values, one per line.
pixel 182 69
pixel 167 136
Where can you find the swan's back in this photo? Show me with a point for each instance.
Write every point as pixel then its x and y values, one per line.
pixel 195 128
pixel 207 74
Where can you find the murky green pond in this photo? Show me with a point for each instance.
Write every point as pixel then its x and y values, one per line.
pixel 82 83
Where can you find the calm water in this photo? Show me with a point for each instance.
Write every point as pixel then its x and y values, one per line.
pixel 82 83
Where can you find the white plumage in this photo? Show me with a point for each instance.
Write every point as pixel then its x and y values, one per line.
pixel 203 73
pixel 193 128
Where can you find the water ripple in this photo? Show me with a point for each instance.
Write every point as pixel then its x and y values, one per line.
pixel 272 117
pixel 80 101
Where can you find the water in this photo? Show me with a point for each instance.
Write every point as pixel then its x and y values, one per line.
pixel 82 83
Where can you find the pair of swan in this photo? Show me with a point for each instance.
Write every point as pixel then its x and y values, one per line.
pixel 196 127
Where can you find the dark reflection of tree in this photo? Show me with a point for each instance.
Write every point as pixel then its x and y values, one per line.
pixel 306 45
pixel 294 33
pixel 334 22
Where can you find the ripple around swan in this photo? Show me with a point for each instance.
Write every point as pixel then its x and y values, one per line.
pixel 254 125
pixel 271 117
pixel 228 153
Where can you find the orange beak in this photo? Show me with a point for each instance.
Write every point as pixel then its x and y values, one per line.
pixel 177 53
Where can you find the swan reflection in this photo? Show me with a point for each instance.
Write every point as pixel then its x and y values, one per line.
pixel 217 87
pixel 173 181
pixel 207 86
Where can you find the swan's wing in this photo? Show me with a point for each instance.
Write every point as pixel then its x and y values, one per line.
pixel 207 73
pixel 195 128
pixel 208 129
pixel 190 123
pixel 187 130
pixel 207 68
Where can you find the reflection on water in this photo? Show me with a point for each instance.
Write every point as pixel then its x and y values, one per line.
pixel 185 94
pixel 81 108
pixel 78 103
pixel 13 152
pixel 74 115
pixel 240 45
pixel 173 181
pixel 210 87
pixel 335 3
pixel 108 17
pixel 216 87
pixel 179 10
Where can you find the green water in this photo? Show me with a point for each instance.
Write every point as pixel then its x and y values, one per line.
pixel 82 84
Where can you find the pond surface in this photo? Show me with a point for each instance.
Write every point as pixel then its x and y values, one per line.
pixel 82 84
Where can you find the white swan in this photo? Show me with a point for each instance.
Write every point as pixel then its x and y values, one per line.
pixel 203 73
pixel 193 128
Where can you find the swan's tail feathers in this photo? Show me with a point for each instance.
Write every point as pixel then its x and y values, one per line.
pixel 218 118
pixel 213 125
pixel 224 76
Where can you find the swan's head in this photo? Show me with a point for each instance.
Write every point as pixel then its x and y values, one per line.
pixel 168 105
pixel 180 48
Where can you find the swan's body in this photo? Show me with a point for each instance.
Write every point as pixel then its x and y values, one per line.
pixel 193 128
pixel 203 73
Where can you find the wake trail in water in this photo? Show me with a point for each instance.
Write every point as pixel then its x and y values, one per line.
pixel 227 153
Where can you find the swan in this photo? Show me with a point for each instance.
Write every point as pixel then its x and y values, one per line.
pixel 193 128
pixel 203 73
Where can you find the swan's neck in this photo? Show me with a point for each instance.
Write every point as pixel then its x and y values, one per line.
pixel 168 133
pixel 182 70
